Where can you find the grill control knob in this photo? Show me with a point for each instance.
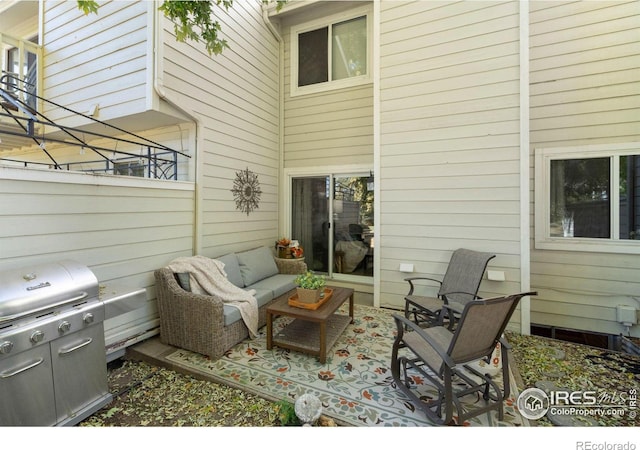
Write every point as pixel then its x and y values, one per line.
pixel 88 318
pixel 36 336
pixel 6 347
pixel 64 326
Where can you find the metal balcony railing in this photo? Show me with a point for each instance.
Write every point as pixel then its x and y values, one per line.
pixel 24 126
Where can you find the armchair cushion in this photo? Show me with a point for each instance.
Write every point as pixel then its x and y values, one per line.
pixel 256 265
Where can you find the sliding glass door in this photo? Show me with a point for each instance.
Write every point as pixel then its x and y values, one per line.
pixel 337 235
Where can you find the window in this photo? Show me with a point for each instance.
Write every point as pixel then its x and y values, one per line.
pixel 22 80
pixel 331 54
pixel 588 198
pixel 332 219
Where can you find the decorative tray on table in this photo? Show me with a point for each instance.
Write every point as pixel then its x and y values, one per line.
pixel 325 296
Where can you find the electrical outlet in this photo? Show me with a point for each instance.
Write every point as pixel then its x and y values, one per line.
pixel 495 275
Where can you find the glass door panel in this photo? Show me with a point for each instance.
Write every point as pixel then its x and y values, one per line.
pixel 353 225
pixel 310 220
pixel 344 225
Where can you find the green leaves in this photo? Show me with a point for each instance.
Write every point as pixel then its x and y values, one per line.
pixel 88 6
pixel 192 20
pixel 310 280
pixel 195 21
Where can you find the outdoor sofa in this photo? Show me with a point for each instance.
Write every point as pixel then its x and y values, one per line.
pixel 202 323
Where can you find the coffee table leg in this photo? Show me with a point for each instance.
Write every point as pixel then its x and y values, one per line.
pixel 351 307
pixel 269 330
pixel 323 342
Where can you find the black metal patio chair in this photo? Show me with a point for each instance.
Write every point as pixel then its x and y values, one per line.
pixel 445 359
pixel 459 285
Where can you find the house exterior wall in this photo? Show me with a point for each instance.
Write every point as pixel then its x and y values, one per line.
pixel 449 143
pixel 235 98
pixel 106 53
pixel 122 229
pixel 449 140
pixel 331 128
pixel 585 89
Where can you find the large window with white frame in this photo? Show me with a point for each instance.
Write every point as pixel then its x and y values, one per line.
pixel 331 53
pixel 588 198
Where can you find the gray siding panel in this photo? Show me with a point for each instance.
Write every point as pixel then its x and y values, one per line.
pixel 331 128
pixel 106 53
pixel 449 139
pixel 585 86
pixel 122 230
pixel 235 95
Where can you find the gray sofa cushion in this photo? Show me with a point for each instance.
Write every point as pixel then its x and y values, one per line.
pixel 277 284
pixel 232 269
pixel 184 280
pixel 232 314
pixel 256 265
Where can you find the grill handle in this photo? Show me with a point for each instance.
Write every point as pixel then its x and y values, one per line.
pixel 9 374
pixel 66 351
pixel 82 296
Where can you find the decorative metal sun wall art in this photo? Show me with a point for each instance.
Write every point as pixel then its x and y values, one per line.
pixel 246 191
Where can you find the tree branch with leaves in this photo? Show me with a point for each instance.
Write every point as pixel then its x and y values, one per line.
pixel 192 20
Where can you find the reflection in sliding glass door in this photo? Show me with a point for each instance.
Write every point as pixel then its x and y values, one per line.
pixel 310 220
pixel 344 225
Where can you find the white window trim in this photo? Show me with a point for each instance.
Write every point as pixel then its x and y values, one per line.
pixel 543 238
pixel 296 90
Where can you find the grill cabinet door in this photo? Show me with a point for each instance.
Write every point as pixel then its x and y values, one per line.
pixel 79 370
pixel 26 388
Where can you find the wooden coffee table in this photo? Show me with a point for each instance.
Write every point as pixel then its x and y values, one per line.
pixel 311 331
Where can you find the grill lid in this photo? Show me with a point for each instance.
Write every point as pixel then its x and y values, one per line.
pixel 30 290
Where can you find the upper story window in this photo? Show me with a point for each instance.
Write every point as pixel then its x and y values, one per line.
pixel 588 198
pixel 331 54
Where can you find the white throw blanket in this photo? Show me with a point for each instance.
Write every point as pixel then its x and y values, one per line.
pixel 207 276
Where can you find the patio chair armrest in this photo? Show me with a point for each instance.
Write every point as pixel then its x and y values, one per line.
pixel 505 344
pixel 402 322
pixel 473 296
pixel 410 280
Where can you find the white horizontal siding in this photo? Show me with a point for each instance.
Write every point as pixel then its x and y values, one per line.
pixel 122 229
pixel 449 139
pixel 95 59
pixel 331 128
pixel 585 89
pixel 235 95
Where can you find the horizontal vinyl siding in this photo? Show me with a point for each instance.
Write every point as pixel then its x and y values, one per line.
pixel 449 152
pixel 330 128
pixel 122 229
pixel 113 74
pixel 585 89
pixel 235 96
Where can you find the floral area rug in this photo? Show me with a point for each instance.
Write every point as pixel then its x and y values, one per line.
pixel 355 385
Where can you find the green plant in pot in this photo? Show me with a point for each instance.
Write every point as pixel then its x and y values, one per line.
pixel 310 286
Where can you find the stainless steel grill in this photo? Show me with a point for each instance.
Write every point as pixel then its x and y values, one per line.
pixel 52 350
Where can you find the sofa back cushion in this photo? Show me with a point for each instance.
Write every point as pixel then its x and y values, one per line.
pixel 232 269
pixel 256 265
pixel 184 280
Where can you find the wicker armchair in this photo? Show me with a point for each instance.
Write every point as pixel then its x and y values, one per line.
pixel 196 322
